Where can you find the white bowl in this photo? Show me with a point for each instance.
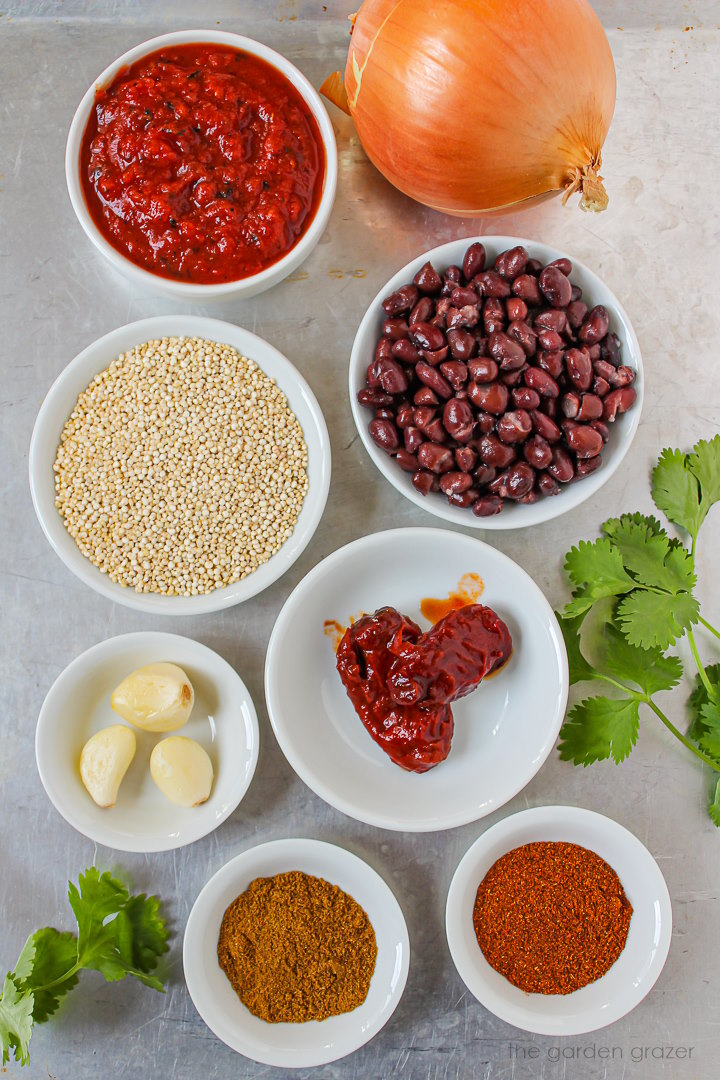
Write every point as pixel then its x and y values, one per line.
pixel 504 730
pixel 514 515
pixel 243 287
pixel 632 975
pixel 61 399
pixel 295 1046
pixel 223 721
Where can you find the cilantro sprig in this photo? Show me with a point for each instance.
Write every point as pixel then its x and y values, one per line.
pixel 632 600
pixel 118 934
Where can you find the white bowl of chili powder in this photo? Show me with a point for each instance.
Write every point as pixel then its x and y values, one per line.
pixel 202 164
pixel 557 900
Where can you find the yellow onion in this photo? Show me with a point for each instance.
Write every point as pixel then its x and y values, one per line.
pixel 470 106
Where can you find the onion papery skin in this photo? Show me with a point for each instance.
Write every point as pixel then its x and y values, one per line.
pixel 470 106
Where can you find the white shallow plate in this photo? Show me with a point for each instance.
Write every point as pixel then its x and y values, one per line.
pixel 514 515
pixel 295 1046
pixel 61 399
pixel 632 975
pixel 223 721
pixel 504 730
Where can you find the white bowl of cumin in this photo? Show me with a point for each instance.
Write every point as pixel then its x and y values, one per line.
pixel 294 1045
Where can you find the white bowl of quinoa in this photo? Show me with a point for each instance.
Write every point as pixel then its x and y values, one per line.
pixel 179 465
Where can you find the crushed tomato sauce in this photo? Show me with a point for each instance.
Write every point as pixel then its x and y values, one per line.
pixel 202 163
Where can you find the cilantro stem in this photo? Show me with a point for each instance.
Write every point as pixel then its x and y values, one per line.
pixel 619 685
pixel 701 669
pixel 61 979
pixel 665 719
pixel 710 690
pixel 679 735
pixel 709 626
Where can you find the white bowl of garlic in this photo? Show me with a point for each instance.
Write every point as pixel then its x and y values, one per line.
pixel 147 742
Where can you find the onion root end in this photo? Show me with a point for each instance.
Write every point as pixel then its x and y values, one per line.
pixel 589 182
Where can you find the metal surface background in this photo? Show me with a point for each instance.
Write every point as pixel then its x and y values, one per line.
pixel 657 247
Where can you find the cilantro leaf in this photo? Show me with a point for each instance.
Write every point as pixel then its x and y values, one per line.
pixel 25 962
pixel 649 554
pixel 109 945
pixel 54 957
pixel 642 544
pixel 597 571
pixel 118 935
pixel 709 739
pixel 699 698
pixel 599 728
pixel 647 668
pixel 714 806
pixel 679 573
pixel 675 490
pixel 613 525
pixel 704 463
pixel 141 937
pixel 99 896
pixel 579 669
pixel 16 1009
pixel 654 619
pixel 632 597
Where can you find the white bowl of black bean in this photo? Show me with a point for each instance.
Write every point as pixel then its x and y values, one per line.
pixel 179 465
pixel 491 373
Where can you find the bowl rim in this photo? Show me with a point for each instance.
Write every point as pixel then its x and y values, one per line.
pixel 97 654
pixel 514 517
pixel 318 785
pixel 334 854
pixel 190 291
pixel 510 832
pixel 73 375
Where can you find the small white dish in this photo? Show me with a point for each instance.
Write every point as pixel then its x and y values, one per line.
pixel 632 975
pixel 180 290
pixel 223 721
pixel 295 1046
pixel 504 730
pixel 61 399
pixel 514 515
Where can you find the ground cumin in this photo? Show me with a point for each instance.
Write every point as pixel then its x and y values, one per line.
pixel 551 917
pixel 297 948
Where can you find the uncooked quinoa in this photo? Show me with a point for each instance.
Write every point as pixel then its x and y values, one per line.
pixel 181 468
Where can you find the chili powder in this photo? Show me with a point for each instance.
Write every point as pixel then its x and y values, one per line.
pixel 296 948
pixel 551 917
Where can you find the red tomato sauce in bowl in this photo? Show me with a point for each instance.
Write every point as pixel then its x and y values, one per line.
pixel 202 163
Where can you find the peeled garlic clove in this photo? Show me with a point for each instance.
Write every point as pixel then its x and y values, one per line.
pixel 104 760
pixel 182 770
pixel 157 697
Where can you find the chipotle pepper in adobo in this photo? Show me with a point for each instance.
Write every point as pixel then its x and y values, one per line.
pixel 401 682
pixel 414 737
pixel 451 659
